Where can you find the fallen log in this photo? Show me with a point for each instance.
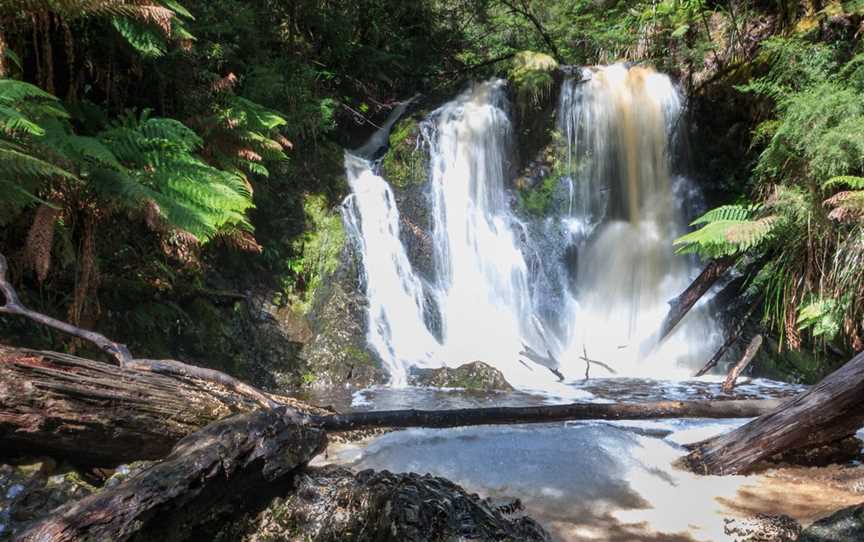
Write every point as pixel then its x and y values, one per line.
pixel 544 414
pixel 231 465
pixel 98 414
pixel 828 412
pixel 681 305
pixel 735 372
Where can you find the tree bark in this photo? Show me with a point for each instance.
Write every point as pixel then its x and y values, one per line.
pixel 97 414
pixel 544 414
pixel 681 305
pixel 828 412
pixel 735 372
pixel 231 464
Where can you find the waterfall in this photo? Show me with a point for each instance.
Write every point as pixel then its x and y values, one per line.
pixel 396 329
pixel 619 125
pixel 593 278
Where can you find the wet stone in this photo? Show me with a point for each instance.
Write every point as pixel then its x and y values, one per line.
pixel 846 525
pixel 476 376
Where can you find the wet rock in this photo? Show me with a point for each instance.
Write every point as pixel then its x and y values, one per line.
pixel 846 525
pixel 763 528
pixel 333 504
pixel 476 375
pixel 338 354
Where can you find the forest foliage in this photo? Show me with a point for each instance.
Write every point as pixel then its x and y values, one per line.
pixel 175 145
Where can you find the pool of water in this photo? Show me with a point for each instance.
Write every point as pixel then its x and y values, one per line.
pixel 587 480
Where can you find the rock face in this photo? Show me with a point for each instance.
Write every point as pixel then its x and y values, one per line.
pixel 846 525
pixel 338 354
pixel 333 504
pixel 476 375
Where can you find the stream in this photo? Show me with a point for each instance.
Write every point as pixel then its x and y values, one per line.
pixel 603 480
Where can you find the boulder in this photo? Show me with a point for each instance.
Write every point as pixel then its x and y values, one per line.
pixel 333 504
pixel 477 376
pixel 846 525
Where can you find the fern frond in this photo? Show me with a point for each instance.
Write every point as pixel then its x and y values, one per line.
pixel 725 212
pixel 852 181
pixel 847 206
pixel 141 37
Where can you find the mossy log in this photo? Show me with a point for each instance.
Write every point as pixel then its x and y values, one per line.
pixel 231 465
pixel 828 412
pixel 98 414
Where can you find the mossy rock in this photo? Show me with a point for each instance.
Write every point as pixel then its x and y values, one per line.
pixel 475 376
pixel 533 76
pixel 797 367
pixel 337 353
pixel 405 164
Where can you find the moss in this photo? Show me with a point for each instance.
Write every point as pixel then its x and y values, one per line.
pixel 404 165
pixel 532 75
pixel 359 355
pixel 318 249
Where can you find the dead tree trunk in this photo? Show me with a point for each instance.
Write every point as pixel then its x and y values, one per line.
pixel 733 337
pixel 828 412
pixel 735 372
pixel 681 305
pixel 544 414
pixel 97 414
pixel 208 476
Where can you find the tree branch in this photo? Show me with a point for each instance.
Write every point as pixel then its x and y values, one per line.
pixel 524 11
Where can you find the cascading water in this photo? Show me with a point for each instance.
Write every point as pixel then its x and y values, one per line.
pixel 396 303
pixel 501 282
pixel 619 125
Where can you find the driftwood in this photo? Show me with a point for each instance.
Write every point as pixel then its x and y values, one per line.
pixel 588 361
pixel 681 305
pixel 738 368
pixel 549 362
pixel 232 464
pixel 731 339
pixel 98 414
pixel 120 353
pixel 828 412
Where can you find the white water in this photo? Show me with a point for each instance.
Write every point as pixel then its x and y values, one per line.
pixel 501 282
pixel 395 294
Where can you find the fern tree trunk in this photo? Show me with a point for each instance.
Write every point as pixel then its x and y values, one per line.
pixel 3 46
